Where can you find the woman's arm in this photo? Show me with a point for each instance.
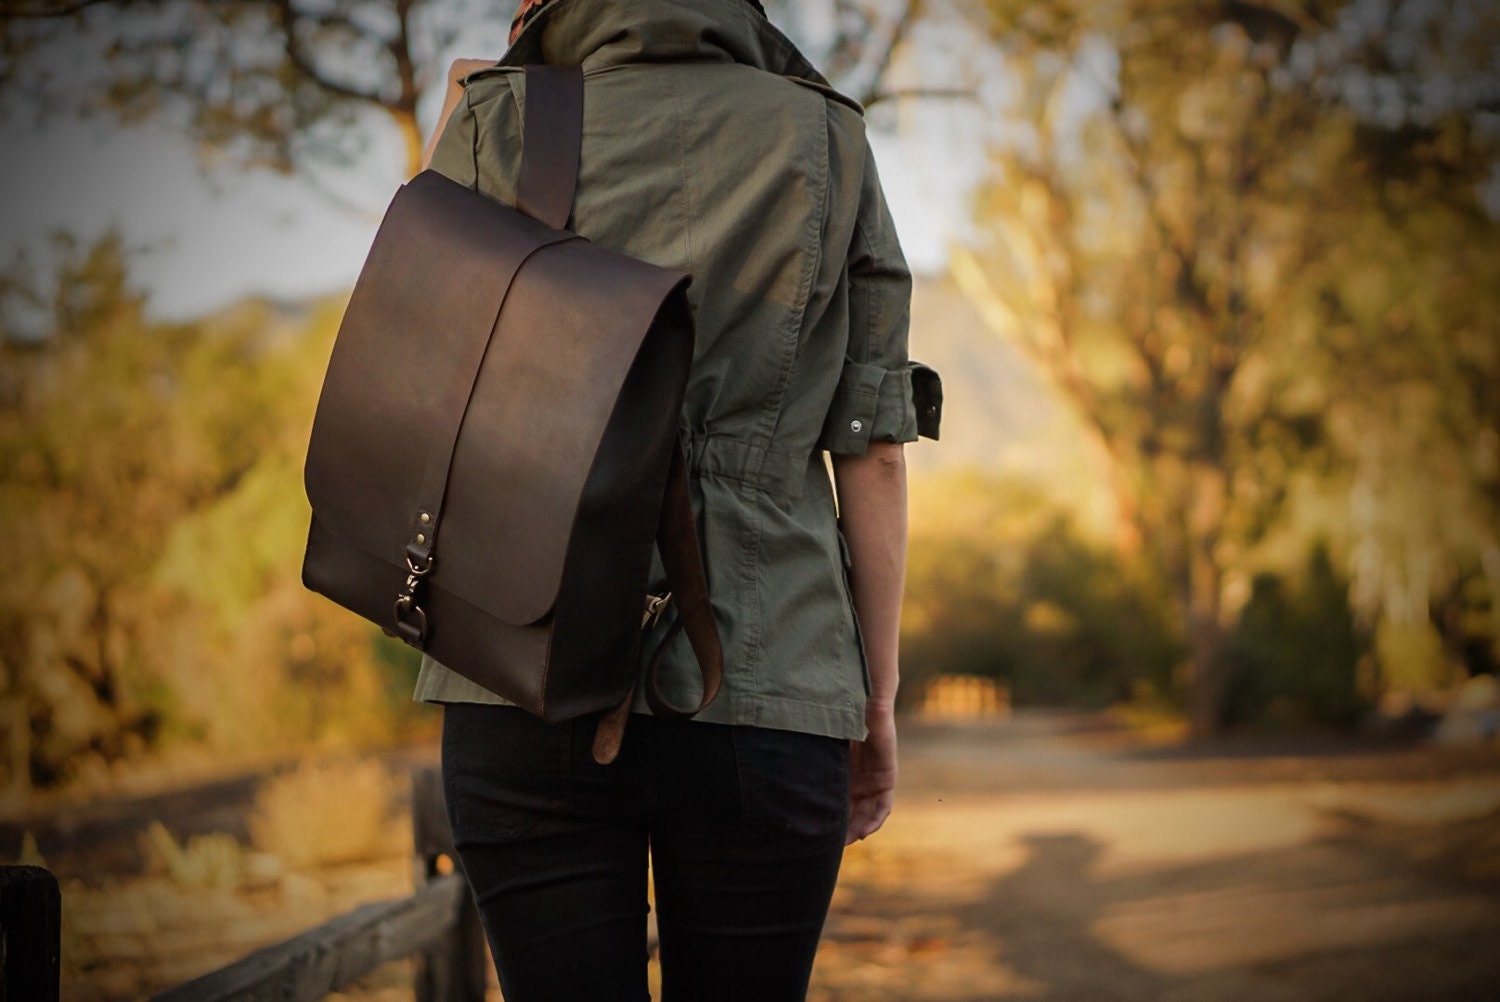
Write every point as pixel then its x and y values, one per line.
pixel 451 98
pixel 872 516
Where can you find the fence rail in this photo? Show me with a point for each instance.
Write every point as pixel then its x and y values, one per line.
pixel 30 934
pixel 438 923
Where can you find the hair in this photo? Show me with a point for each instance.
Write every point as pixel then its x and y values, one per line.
pixel 527 9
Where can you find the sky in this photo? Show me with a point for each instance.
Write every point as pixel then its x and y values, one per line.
pixel 208 240
pixel 205 239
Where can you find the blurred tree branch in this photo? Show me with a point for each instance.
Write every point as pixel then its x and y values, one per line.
pixel 21 8
pixel 292 85
pixel 279 84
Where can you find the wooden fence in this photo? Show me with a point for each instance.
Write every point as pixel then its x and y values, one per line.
pixel 438 923
pixel 30 934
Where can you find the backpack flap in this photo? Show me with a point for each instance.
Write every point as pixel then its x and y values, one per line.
pixel 575 321
pixel 430 289
pixel 486 420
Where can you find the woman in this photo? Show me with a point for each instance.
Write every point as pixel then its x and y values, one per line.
pixel 710 145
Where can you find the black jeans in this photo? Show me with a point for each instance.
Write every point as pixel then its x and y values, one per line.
pixel 744 826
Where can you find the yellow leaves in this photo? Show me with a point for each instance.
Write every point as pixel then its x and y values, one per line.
pixel 1177 360
pixel 158 476
pixel 30 855
pixel 1034 203
pixel 978 284
pixel 326 812
pixel 215 859
pixel 1046 617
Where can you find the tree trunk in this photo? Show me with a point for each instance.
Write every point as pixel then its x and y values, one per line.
pixel 1204 599
pixel 1205 639
pixel 411 135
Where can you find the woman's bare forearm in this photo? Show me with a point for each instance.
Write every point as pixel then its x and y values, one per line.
pixel 451 98
pixel 453 95
pixel 872 515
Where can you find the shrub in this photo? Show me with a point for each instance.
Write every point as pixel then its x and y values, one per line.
pixel 1291 657
pixel 328 812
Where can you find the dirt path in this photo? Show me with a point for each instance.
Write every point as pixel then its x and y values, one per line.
pixel 1049 857
pixel 1042 859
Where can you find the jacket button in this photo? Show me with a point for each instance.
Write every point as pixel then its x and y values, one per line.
pixel 856 424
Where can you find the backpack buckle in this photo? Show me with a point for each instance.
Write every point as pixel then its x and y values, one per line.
pixel 654 606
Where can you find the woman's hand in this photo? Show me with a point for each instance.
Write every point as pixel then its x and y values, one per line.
pixel 453 95
pixel 463 67
pixel 872 775
pixel 872 516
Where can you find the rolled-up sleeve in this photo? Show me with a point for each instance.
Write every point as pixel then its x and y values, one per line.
pixel 875 400
pixel 871 403
pixel 927 394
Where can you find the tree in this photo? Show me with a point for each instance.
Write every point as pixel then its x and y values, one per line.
pixel 81 433
pixel 289 85
pixel 154 479
pixel 1164 232
pixel 292 85
pixel 1414 328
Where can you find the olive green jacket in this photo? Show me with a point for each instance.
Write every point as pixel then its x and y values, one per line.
pixel 710 145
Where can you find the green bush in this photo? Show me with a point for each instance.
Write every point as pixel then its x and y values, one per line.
pixel 1097 624
pixel 1008 588
pixel 1291 658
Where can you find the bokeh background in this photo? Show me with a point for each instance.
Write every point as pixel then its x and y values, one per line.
pixel 1210 547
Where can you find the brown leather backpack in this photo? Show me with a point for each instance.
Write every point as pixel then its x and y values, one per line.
pixel 496 448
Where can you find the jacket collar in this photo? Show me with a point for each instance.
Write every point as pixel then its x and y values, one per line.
pixel 597 33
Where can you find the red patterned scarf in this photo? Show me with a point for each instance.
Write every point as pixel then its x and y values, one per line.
pixel 524 13
pixel 529 8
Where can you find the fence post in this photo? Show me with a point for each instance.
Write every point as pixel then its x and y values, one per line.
pixel 454 969
pixel 30 934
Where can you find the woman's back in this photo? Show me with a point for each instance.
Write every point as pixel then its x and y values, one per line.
pixel 734 175
pixel 711 146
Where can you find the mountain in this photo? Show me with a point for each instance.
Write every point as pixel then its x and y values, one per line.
pixel 998 413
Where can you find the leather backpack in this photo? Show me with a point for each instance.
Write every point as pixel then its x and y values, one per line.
pixel 496 449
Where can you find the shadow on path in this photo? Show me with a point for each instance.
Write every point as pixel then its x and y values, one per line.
pixel 1324 920
pixel 1330 919
pixel 1080 893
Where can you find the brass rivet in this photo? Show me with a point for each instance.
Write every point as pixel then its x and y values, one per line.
pixel 426 518
pixel 421 538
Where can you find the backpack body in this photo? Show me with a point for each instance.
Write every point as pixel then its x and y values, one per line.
pixel 496 434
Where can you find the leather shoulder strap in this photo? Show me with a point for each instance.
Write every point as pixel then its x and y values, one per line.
pixel 550 137
pixel 677 538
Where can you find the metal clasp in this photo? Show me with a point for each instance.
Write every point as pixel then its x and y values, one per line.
pixel 413 632
pixel 411 618
pixel 654 606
